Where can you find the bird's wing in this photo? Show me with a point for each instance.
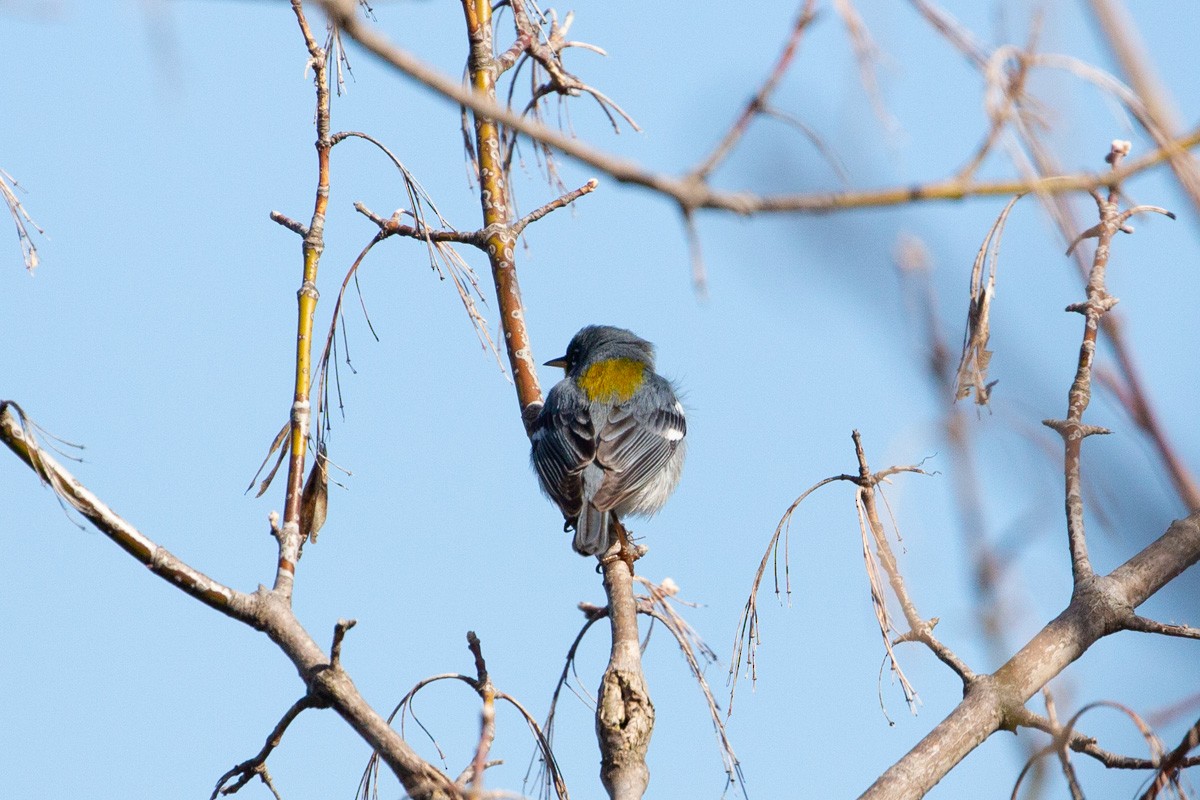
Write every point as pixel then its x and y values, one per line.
pixel 635 443
pixel 564 443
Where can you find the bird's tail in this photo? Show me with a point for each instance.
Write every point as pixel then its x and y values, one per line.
pixel 592 531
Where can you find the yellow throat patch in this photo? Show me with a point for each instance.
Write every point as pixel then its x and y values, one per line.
pixel 613 380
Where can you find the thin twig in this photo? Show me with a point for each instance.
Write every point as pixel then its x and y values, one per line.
pixel 1098 302
pixel 553 205
pixel 290 537
pixel 761 99
pixel 747 635
pixel 21 220
pixel 257 764
pixel 487 717
pixel 1170 766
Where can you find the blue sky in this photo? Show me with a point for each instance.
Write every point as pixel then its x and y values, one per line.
pixel 153 139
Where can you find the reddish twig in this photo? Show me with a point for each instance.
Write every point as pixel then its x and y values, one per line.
pixel 1170 766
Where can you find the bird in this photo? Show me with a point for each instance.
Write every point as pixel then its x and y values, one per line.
pixel 609 439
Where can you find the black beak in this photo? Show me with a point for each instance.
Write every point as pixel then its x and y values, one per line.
pixel 561 361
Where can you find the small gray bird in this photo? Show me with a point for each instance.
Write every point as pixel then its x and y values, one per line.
pixel 609 439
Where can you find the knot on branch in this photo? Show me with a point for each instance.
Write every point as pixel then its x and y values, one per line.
pixel 624 722
pixel 1101 602
pixel 1001 696
pixel 1094 305
pixel 1070 430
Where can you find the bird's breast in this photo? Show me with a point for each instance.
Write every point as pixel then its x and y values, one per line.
pixel 613 380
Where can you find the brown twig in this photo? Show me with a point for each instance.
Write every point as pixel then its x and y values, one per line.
pixel 487 716
pixel 553 205
pixel 1098 302
pixel 339 634
pixel 292 225
pixel 760 101
pixel 920 629
pixel 257 764
pixel 1170 766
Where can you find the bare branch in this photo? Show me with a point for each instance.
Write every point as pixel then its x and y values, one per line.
pixel 920 629
pixel 292 225
pixel 657 605
pixel 1161 120
pixel 1144 625
pixel 487 719
pixel 339 633
pixel 1072 429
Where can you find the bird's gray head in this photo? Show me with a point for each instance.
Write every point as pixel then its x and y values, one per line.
pixel 601 342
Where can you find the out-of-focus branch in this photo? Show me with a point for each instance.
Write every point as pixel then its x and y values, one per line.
pixel 1127 383
pixel 760 102
pixel 1087 745
pixel 1099 606
pixel 692 194
pixel 1121 35
pixel 1176 760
